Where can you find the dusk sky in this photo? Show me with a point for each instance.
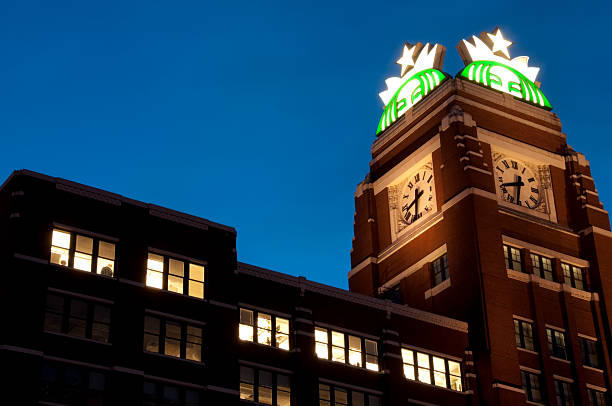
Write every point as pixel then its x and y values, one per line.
pixel 261 115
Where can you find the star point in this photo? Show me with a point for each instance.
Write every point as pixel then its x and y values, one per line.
pixel 500 44
pixel 407 59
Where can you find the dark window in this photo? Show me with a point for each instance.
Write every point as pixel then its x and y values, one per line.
pixel 523 334
pixel 556 343
pixel 69 384
pixel 596 398
pixel 531 385
pixel 173 338
pixel 591 355
pixel 81 252
pixel 264 387
pixel 563 391
pixel 158 394
pixel 76 317
pixel 573 276
pixel 330 395
pixel 513 258
pixel 393 294
pixel 542 267
pixel 440 269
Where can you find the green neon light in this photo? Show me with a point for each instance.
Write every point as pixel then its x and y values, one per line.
pixel 522 88
pixel 427 80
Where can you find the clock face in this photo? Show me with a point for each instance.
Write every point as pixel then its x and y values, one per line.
pixel 517 183
pixel 417 197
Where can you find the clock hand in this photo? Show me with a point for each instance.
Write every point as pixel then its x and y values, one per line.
pixel 513 183
pixel 416 201
pixel 518 189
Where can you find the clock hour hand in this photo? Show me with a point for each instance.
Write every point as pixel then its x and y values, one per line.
pixel 519 183
pixel 518 190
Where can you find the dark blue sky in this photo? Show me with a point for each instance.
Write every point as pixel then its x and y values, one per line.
pixel 261 115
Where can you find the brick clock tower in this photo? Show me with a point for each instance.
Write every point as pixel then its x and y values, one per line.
pixel 476 208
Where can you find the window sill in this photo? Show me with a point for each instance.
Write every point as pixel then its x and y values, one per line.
pixel 252 402
pixel 175 293
pixel 90 340
pixel 527 351
pixel 438 387
pixel 174 358
pixel 445 284
pixel 348 365
pixel 265 346
pixel 58 267
pixel 561 360
pixel 529 402
pixel 593 369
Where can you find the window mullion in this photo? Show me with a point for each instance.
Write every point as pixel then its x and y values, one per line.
pixel 273 333
pixel 165 273
pixel 72 250
pixel 162 336
pixel 94 255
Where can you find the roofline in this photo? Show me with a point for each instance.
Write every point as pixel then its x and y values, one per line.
pixel 380 304
pixel 116 199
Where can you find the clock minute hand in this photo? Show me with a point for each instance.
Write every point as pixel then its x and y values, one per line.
pixel 513 183
pixel 518 189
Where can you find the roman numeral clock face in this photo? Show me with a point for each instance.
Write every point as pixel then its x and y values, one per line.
pixel 417 197
pixel 517 183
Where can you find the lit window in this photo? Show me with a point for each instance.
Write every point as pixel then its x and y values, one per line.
pixel 563 392
pixel 523 334
pixel 338 396
pixel 355 351
pixel 77 318
pixel 196 281
pixel 77 251
pixel 176 272
pixel 321 341
pixel 572 276
pixel 175 275
pixel 266 324
pixel 264 329
pixel 591 355
pixel 431 369
pixel 173 338
pixel 513 258
pixel 264 387
pixel 155 271
pixel 531 386
pixel 371 355
pixel 596 398
pixel 556 343
pixel 247 383
pixel 337 349
pixel 542 267
pixel 245 329
pixel 440 269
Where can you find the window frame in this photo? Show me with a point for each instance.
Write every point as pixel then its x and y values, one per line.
pixel 510 261
pixel 256 384
pixel 274 332
pixel 413 364
pixel 347 348
pixel 543 273
pixel 187 273
pixel 520 339
pixel 162 337
pixel 587 352
pixel 569 277
pixel 442 270
pixel 158 396
pixel 528 387
pixel 369 399
pixel 95 251
pixel 596 397
pixel 56 389
pixel 564 393
pixel 554 345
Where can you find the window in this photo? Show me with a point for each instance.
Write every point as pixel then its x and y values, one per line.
pixel 346 348
pixel 523 334
pixel 330 395
pixel 173 338
pixel 426 368
pixel 161 394
pixel 393 294
pixel 572 276
pixel 591 355
pixel 531 386
pixel 513 258
pixel 264 387
pixel 542 267
pixel 68 384
pixel 563 391
pixel 596 398
pixel 440 270
pixel 175 275
pixel 265 328
pixel 556 343
pixel 77 318
pixel 81 252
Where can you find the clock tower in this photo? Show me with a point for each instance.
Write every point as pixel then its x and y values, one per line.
pixel 475 207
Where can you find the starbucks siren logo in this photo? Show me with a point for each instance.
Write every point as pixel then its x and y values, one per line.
pixel 418 78
pixel 487 62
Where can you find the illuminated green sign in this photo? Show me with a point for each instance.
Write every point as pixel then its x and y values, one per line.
pixel 418 79
pixel 488 63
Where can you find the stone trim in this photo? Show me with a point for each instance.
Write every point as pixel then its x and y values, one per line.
pixel 445 284
pixel 247 306
pixel 354 387
pixel 81 296
pixel 431 352
pixel 536 249
pixel 264 366
pixel 441 250
pixel 173 317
